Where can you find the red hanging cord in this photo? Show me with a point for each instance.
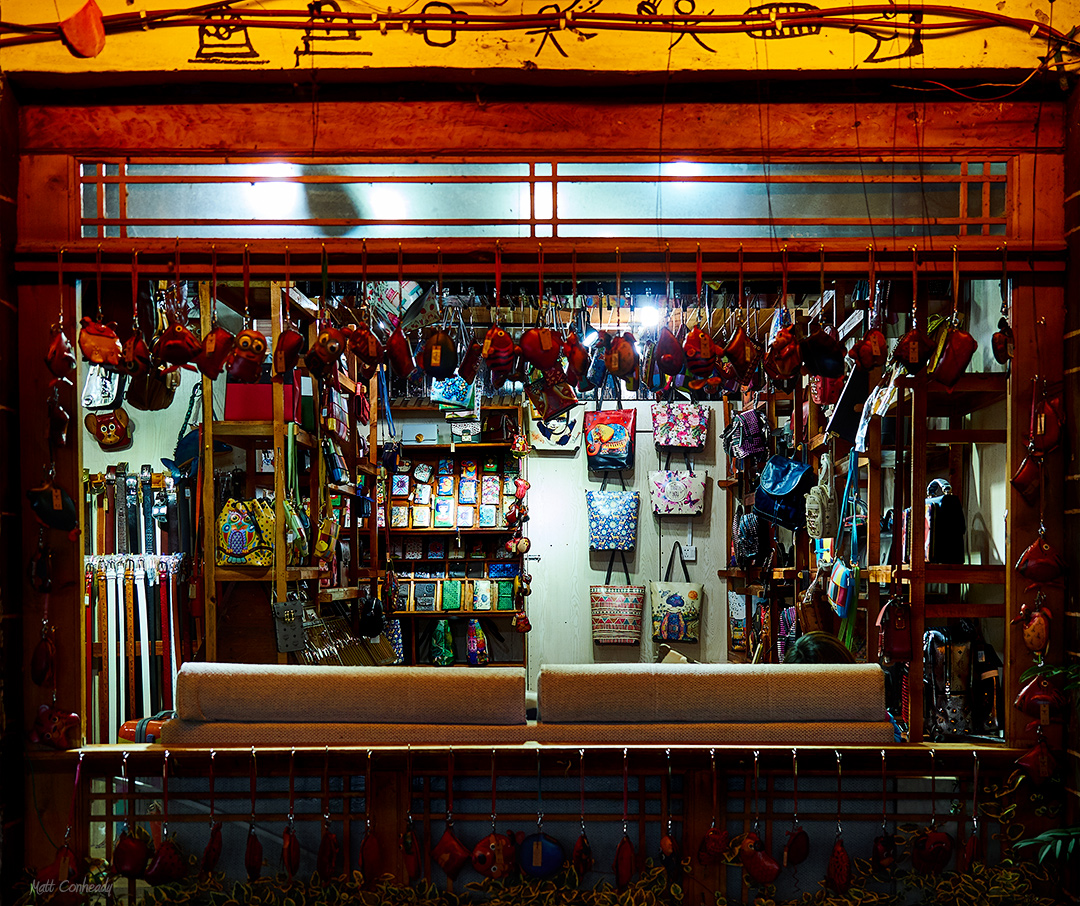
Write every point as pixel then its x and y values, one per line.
pixel 165 796
pixel 253 784
pixel 498 274
pixel 625 791
pixel 213 285
pixel 581 785
pixel 715 791
pixel 292 784
pixel 213 755
pixel 75 796
pixel 60 286
pixel 450 790
pixel 540 251
pixel 493 791
pixel 97 260
pixel 247 285
pixel 134 288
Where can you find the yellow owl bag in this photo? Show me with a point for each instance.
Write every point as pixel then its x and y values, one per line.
pixel 245 533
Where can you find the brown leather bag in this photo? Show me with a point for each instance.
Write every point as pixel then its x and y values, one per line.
pixel 813 610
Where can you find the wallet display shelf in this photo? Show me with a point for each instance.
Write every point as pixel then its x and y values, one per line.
pixel 413 620
pixel 282 305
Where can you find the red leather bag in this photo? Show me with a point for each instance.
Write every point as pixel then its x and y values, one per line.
pixel 100 343
pixel 822 353
pixel 825 391
pixel 216 347
pixel 247 356
pixel 1028 479
pixel 871 351
pixel 1041 562
pixel 541 347
pixel 439 357
pixel 1046 421
pixel 670 357
pixel 956 351
pixel 783 360
pixel 60 357
pixel 287 350
pixel 700 352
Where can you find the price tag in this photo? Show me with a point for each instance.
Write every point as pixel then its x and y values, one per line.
pixel 1044 713
pixel 436 356
pixel 210 343
pixel 545 344
pixel 57 499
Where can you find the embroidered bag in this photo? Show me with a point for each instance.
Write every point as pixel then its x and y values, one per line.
pixel 751 539
pixel 844 579
pixel 616 609
pixel 675 606
pixel 680 424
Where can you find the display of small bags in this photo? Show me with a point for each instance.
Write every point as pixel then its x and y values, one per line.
pixel 677 493
pixel 675 606
pixel 680 424
pixel 613 517
pixel 245 533
pixel 451 594
pixel 476 651
pixel 616 609
pixel 609 439
pixel 442 644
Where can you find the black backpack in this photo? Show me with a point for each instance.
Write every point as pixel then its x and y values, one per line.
pixel 945 524
pixel 372 617
pixel 751 539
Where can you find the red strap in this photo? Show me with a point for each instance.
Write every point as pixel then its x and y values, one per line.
pixel 247 285
pixel 625 788
pixel 60 286
pixel 88 615
pixel 165 796
pixel 253 784
pixel 213 755
pixel 166 638
pixel 97 261
pixel 213 285
pixel 698 271
pixel 783 277
pixel 288 275
pixel 326 785
pixel 573 277
pixel 498 273
pixel 450 789
pixel 369 812
pixel 75 797
pixel 292 782
pixel 581 783
pixel 363 273
pixel 914 283
pixel 493 791
pixel 540 248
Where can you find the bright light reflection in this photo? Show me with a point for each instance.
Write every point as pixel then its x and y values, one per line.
pixel 681 168
pixel 648 316
pixel 386 204
pixel 275 199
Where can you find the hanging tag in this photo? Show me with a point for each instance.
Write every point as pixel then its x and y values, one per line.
pixel 57 499
pixel 1044 713
pixel 545 340
pixel 1041 423
pixel 537 853
pixel 210 344
pixel 436 356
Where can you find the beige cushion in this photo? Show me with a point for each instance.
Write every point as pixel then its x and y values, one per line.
pixel 276 693
pixel 711 693
pixel 226 734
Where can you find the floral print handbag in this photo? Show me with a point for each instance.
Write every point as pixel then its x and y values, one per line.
pixel 677 493
pixel 680 424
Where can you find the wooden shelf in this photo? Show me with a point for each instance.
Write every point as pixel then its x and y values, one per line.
pixel 338 594
pixel 232 430
pixel 963 609
pixel 956 574
pixel 971 393
pixel 786 574
pixel 458 447
pixel 966 436
pixel 451 531
pixel 348 490
pixel 454 613
pixel 263 573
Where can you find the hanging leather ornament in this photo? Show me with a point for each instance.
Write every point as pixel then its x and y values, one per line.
pixel 326 861
pixel 699 351
pixel 1042 701
pixel 324 352
pixel 783 360
pixel 972 851
pixel 399 352
pixel 1039 761
pixel 621 358
pixel 470 362
pixel 540 855
pixel 367 347
pixel 177 345
pixel 100 344
pixel 756 860
pixel 797 847
pixel 53 507
pixel 670 357
pixel 246 359
pixel 438 357
pixel 540 346
pixel 1047 420
pixel 370 862
pixel 624 852
pixel 212 851
pixel 871 351
pixel 217 347
pixel 883 855
pixel 1035 618
pixel 290 342
pixel 577 358
pixel 253 849
pixel 113 431
pixel 131 851
pixel 914 348
pixel 59 418
pixel 449 853
pixel 55 728
pixel 838 870
pixel 66 867
pixel 290 843
pixel 60 357
pixel 135 358
pixel 43 660
pixel 1041 563
pixel 821 352
pixel 494 856
pixel 498 352
pixel 168 864
pixel 931 848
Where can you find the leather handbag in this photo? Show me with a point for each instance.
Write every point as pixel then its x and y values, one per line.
pixel 747 435
pixel 675 606
pixel 843 589
pixel 822 507
pixel 1046 421
pixel 825 391
pixel 894 632
pixel 954 353
pixel 812 609
pixel 680 424
pixel 1028 479
pixel 822 352
pixel 781 492
pixel 152 391
pixel 616 609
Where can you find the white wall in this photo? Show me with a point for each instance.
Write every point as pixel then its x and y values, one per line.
pixel 558 528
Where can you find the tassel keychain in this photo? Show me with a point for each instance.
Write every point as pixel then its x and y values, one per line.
pixel 450 854
pixel 838 871
pixel 370 853
pixel 168 864
pixel 582 857
pixel 753 855
pixel 494 856
pixel 329 848
pixel 624 852
pixel 883 855
pixel 290 843
pixel 409 841
pixel 212 851
pixel 253 851
pixel 797 847
pixel 715 842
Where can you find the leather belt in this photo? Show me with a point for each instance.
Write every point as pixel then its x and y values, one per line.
pixel 129 637
pixel 88 617
pixel 146 642
pixel 109 547
pixel 168 676
pixel 134 541
pixel 115 580
pixel 149 532
pixel 121 509
pixel 172 516
pixel 104 637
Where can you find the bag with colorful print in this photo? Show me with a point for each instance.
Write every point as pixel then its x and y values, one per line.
pixel 616 609
pixel 680 424
pixel 245 533
pixel 676 606
pixel 613 517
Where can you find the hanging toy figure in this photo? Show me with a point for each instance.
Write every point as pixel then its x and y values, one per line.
pixel 753 855
pixel 112 430
pixel 495 854
pixel 246 359
pixel 498 352
pixel 716 840
pixel 324 352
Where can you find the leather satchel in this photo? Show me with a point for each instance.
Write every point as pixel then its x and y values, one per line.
pixel 813 607
pixel 781 492
pixel 822 507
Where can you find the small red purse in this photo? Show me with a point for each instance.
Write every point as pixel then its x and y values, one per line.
pixel 216 347
pixel 1041 562
pixel 1028 479
pixel 100 343
pixel 955 354
pixel 783 360
pixel 1046 421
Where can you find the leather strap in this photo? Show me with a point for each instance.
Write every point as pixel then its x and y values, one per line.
pixel 149 530
pixel 153 615
pixel 611 566
pixel 121 509
pixel 98 487
pixel 169 674
pixel 676 545
pixel 146 653
pixel 88 617
pixel 109 545
pixel 129 638
pixel 102 582
pixel 114 638
pixel 172 515
pixel 134 542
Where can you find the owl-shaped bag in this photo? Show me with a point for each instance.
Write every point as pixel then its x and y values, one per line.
pixel 245 532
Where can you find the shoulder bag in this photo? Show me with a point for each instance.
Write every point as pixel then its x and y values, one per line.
pixel 613 517
pixel 677 492
pixel 822 508
pixel 616 609
pixel 844 578
pixel 781 492
pixel 747 435
pixel 676 606
pixel 680 424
